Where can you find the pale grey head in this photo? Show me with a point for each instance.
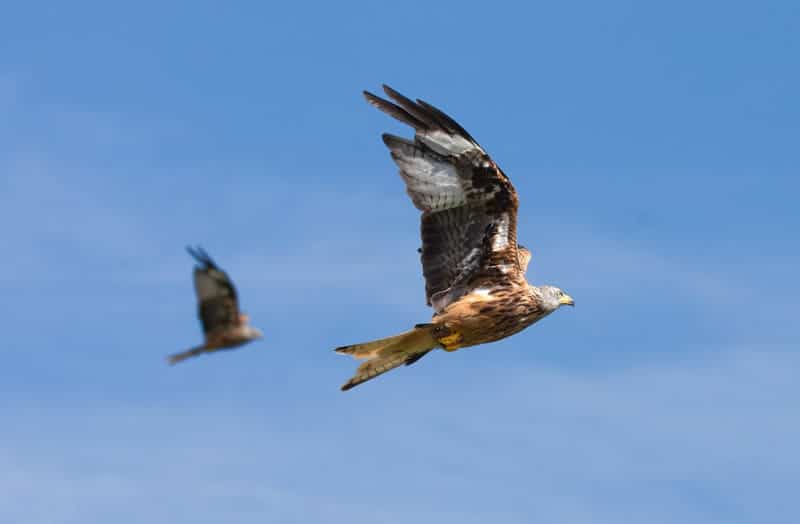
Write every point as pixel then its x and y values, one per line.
pixel 252 333
pixel 553 298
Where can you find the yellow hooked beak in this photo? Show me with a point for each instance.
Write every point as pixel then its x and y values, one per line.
pixel 566 300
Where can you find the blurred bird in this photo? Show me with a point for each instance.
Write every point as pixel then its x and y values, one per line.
pixel 224 326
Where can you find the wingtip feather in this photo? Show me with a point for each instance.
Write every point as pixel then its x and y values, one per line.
pixel 371 97
pixel 394 94
pixel 405 112
pixel 393 141
pixel 202 256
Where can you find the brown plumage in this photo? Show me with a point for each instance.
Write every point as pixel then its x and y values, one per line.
pixel 224 326
pixel 474 270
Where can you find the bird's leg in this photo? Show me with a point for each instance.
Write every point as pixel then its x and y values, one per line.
pixel 449 339
pixel 451 342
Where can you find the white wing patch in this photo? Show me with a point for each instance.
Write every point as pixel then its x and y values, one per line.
pixel 432 184
pixel 445 143
pixel 500 240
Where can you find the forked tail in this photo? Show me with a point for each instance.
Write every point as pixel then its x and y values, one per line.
pixel 388 353
pixel 178 357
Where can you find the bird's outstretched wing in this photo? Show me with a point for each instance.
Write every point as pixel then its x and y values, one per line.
pixel 469 206
pixel 217 304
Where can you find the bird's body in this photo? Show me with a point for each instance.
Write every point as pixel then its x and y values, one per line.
pixel 487 315
pixel 474 270
pixel 231 338
pixel 224 326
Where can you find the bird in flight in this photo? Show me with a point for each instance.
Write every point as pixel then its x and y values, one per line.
pixel 224 326
pixel 474 270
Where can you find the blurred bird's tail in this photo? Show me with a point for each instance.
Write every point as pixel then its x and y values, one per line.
pixel 388 353
pixel 178 357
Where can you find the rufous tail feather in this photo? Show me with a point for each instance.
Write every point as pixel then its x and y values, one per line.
pixel 388 353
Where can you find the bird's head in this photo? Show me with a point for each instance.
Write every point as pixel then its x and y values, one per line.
pixel 554 298
pixel 254 333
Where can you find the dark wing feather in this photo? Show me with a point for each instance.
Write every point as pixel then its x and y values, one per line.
pixel 469 206
pixel 218 305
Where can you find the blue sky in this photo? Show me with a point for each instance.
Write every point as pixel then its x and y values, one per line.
pixel 654 148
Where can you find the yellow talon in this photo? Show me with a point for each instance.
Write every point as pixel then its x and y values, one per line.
pixel 451 342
